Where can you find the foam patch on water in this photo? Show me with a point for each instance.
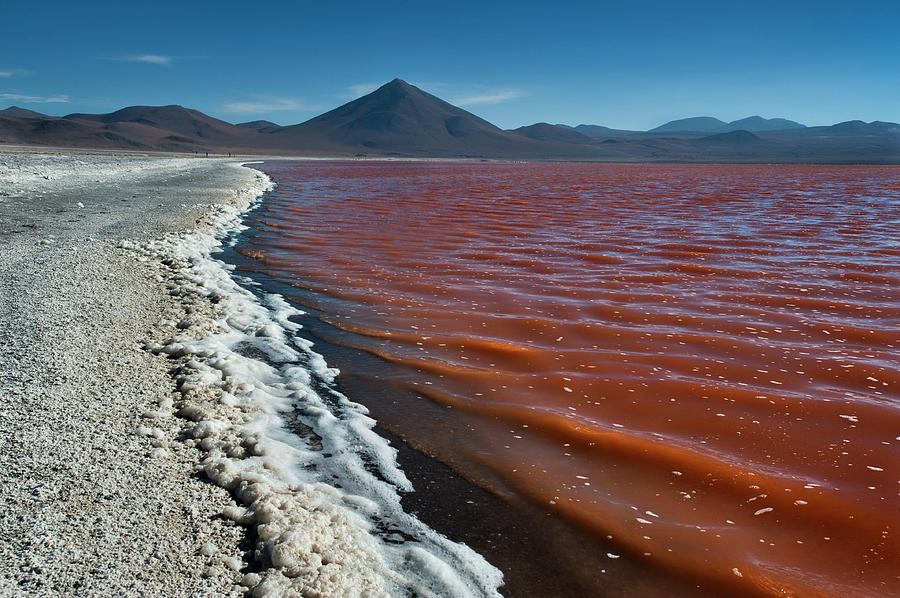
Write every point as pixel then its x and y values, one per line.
pixel 317 484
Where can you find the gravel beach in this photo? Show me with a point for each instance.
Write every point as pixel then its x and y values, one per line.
pixel 90 503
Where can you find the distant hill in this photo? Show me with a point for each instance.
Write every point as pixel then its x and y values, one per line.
pixel 548 132
pixel 699 124
pixel 758 123
pixel 598 131
pixel 180 125
pixel 708 124
pixel 16 112
pixel 858 127
pixel 57 132
pixel 165 128
pixel 263 126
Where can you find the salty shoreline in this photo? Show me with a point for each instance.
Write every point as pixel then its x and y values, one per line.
pixel 87 511
pixel 124 246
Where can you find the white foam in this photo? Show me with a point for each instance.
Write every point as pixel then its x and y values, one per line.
pixel 318 484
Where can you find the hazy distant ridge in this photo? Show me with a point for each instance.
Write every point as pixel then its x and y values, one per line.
pixel 708 124
pixel 263 126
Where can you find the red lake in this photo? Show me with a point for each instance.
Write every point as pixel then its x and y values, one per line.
pixel 696 364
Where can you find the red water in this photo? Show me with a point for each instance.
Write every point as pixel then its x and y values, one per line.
pixel 699 362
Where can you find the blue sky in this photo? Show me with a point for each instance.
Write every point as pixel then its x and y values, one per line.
pixel 628 64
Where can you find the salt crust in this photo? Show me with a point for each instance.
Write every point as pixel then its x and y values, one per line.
pixel 311 477
pixel 35 174
pixel 77 518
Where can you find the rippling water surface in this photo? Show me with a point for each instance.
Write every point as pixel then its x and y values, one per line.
pixel 698 363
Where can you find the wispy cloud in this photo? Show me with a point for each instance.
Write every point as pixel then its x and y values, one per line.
pixel 150 59
pixel 12 72
pixel 16 97
pixel 267 104
pixel 363 88
pixel 489 97
pixel 357 91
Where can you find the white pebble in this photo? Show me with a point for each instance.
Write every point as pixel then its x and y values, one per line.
pixel 233 563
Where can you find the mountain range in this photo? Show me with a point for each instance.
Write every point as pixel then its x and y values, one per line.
pixel 401 120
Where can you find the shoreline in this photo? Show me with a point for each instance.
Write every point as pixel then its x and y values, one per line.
pixel 257 156
pixel 263 543
pixel 91 506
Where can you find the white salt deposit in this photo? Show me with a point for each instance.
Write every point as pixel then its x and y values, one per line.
pixel 27 174
pixel 319 486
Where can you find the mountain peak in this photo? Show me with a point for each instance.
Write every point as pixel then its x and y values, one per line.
pixel 401 118
pixel 396 88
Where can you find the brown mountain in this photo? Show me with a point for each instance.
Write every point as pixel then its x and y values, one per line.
pixel 57 132
pixel 165 128
pixel 154 125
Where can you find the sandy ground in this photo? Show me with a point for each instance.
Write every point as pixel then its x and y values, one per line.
pixel 89 504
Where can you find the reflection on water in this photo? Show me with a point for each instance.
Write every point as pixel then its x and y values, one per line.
pixel 697 362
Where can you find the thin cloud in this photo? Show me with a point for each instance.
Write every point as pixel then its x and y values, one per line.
pixel 150 59
pixel 12 72
pixel 262 105
pixel 15 97
pixel 494 97
pixel 359 90
pixel 363 88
